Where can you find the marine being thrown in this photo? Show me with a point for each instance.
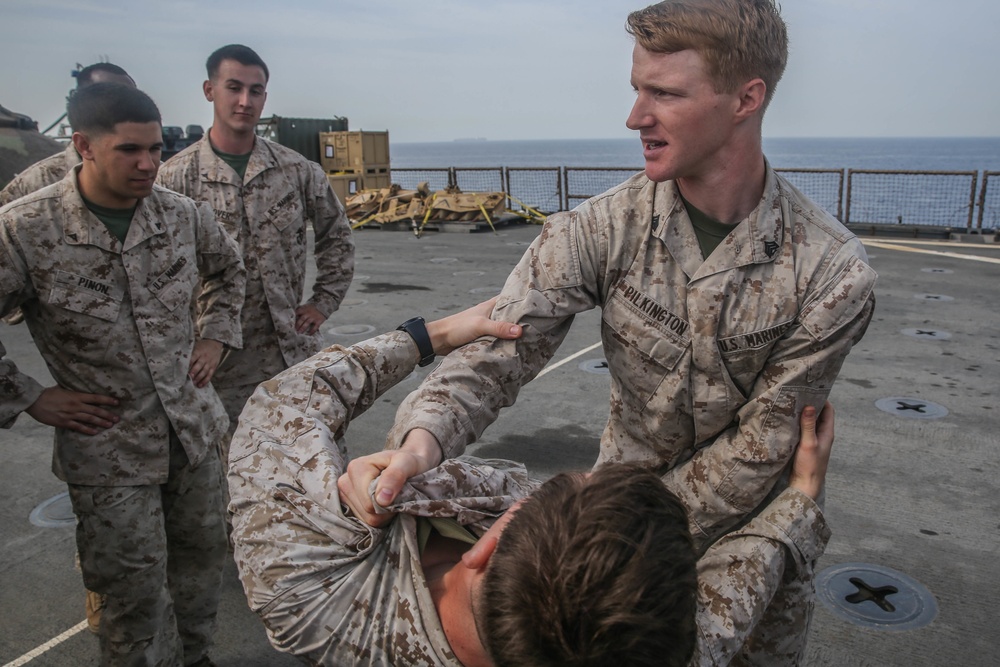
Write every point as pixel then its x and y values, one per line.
pixel 482 565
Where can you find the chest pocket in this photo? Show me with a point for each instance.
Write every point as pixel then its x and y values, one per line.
pixel 285 211
pixel 86 296
pixel 639 352
pixel 93 307
pixel 175 287
pixel 744 355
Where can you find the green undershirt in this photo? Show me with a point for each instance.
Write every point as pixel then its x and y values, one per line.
pixel 237 162
pixel 709 231
pixel 117 220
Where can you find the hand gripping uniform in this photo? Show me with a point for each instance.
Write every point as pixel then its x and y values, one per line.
pixel 115 319
pixel 711 361
pixel 268 214
pixel 337 592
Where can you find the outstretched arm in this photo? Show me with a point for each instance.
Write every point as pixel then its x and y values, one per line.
pixel 421 451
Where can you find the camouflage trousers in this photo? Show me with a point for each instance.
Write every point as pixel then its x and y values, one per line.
pixel 157 552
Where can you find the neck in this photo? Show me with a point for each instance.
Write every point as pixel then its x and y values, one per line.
pixel 227 141
pixel 732 189
pixel 91 190
pixel 452 599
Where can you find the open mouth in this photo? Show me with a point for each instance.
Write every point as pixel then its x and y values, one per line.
pixel 653 145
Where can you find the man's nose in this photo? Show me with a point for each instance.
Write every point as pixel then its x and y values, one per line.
pixel 638 117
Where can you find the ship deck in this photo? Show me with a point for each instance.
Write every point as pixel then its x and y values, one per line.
pixel 909 491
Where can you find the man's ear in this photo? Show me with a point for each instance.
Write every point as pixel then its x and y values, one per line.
pixel 206 88
pixel 751 98
pixel 479 555
pixel 81 142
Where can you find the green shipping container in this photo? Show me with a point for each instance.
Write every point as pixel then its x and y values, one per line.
pixel 300 134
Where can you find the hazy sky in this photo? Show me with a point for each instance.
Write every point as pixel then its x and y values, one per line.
pixel 507 69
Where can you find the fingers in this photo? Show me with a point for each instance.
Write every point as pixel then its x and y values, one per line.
pixel 308 319
pixel 807 424
pixel 99 399
pixel 392 468
pixel 305 325
pixel 825 428
pixel 461 328
pixel 74 411
pixel 813 452
pixel 201 372
pixel 484 326
pixel 353 486
pixel 505 330
pixel 392 479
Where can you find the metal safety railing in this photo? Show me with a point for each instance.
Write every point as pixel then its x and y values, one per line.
pixel 989 201
pixel 939 199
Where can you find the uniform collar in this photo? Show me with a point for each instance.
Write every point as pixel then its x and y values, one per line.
pixel 755 240
pixel 215 170
pixel 81 227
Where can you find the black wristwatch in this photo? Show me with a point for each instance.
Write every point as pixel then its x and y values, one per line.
pixel 418 332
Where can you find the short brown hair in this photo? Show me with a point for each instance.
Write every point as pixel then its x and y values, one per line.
pixel 97 108
pixel 244 55
pixel 592 571
pixel 739 39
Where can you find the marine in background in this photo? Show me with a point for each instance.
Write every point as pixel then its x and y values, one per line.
pixel 55 167
pixel 267 197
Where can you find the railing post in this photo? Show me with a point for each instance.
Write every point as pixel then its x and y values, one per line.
pixel 847 212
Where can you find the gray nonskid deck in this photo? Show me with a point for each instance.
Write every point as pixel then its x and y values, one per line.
pixel 919 496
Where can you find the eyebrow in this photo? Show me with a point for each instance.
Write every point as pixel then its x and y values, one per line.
pixel 244 83
pixel 131 146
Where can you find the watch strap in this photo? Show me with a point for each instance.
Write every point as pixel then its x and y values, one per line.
pixel 417 329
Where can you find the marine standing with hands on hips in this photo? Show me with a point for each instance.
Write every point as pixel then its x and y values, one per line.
pixel 267 197
pixel 104 265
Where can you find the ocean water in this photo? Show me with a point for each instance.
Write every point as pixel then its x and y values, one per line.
pixel 944 154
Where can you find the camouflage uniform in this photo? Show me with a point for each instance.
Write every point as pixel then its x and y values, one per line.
pixel 115 319
pixel 268 214
pixel 755 586
pixel 711 361
pixel 336 591
pixel 44 172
